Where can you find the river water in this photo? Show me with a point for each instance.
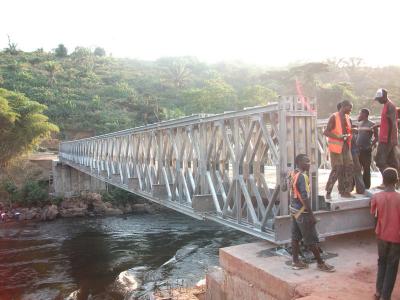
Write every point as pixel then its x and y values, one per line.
pixel 81 258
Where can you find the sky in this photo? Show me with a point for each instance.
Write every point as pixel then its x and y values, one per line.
pixel 272 33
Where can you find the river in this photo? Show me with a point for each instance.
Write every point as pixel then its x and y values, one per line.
pixel 52 260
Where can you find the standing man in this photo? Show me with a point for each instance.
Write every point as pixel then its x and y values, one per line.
pixel 366 130
pixel 386 155
pixel 385 206
pixel 338 132
pixel 303 220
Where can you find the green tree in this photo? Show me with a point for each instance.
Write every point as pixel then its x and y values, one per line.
pixel 52 68
pixel 256 95
pixel 215 97
pixel 12 47
pixel 177 70
pixel 98 51
pixel 25 125
pixel 61 51
pixel 329 95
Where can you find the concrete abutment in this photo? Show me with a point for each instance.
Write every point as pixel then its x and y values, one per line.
pixel 69 182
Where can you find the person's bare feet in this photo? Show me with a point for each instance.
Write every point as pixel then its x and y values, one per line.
pixel 328 196
pixel 347 195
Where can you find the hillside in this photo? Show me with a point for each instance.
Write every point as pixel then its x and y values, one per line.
pixel 91 92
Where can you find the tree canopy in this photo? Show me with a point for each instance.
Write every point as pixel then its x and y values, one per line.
pixel 22 124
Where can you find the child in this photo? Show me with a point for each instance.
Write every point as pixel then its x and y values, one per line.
pixel 385 206
pixel 303 220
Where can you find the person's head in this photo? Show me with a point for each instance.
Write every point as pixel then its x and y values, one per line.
pixel 390 176
pixel 302 162
pixel 339 106
pixel 364 114
pixel 381 96
pixel 346 107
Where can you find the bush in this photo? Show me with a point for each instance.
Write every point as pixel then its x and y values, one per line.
pixel 56 200
pixel 34 193
pixel 14 194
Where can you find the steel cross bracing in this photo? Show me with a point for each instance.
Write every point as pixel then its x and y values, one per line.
pixel 231 168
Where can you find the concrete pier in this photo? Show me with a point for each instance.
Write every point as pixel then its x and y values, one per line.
pixel 70 182
pixel 248 272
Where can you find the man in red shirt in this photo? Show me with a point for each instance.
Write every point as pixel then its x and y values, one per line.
pixel 385 206
pixel 386 155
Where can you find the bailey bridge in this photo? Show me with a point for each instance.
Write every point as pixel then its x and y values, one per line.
pixel 230 168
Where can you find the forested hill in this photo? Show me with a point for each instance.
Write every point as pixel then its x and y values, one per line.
pixel 90 91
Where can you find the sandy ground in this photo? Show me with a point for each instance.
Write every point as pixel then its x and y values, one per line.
pixel 194 293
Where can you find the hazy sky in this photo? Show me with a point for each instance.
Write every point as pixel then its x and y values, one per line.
pixel 261 32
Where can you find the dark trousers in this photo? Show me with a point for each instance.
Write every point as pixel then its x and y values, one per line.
pixel 386 156
pixel 358 178
pixel 365 158
pixel 342 171
pixel 388 263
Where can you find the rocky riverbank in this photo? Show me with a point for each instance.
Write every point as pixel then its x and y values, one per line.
pixel 88 204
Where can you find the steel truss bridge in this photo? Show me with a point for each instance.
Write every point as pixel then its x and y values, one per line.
pixel 230 168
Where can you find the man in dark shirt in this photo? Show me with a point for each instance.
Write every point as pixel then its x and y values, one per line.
pixel 366 131
pixel 303 220
pixel 387 153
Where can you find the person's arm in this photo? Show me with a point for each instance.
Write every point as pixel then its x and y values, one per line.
pixel 391 117
pixel 354 127
pixel 305 199
pixel 373 205
pixel 375 134
pixel 373 211
pixel 329 127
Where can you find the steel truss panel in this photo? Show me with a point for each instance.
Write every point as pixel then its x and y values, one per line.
pixel 211 166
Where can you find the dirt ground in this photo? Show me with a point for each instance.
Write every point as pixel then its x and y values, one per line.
pixel 194 293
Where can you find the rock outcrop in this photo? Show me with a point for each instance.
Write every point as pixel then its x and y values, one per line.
pixel 125 283
pixel 73 207
pixel 49 213
pixel 88 204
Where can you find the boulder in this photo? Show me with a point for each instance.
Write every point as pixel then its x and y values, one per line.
pixel 113 211
pixel 36 212
pixel 52 212
pixel 125 283
pixel 93 197
pixel 73 203
pixel 49 213
pixel 23 213
pixel 99 207
pixel 73 212
pixel 127 208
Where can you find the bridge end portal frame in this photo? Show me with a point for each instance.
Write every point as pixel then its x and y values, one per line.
pixel 231 168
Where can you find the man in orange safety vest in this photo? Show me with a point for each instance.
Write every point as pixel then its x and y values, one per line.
pixel 338 132
pixel 302 217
